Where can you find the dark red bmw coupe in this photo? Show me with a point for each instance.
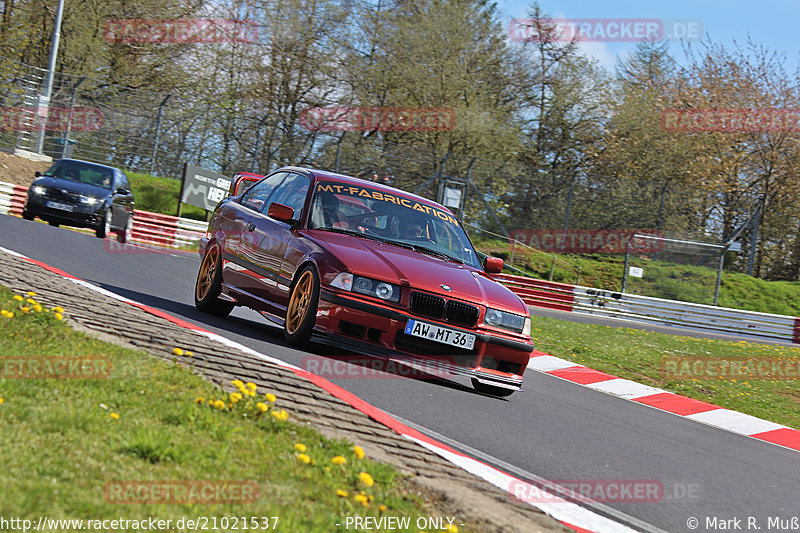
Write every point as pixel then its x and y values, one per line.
pixel 378 270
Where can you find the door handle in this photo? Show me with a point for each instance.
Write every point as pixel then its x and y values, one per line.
pixel 251 226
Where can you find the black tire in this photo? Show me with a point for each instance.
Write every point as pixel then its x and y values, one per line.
pixel 500 392
pixel 27 216
pixel 124 235
pixel 104 226
pixel 301 313
pixel 208 286
pixel 54 224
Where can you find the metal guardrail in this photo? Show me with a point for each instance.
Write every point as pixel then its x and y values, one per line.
pixel 590 301
pixel 148 227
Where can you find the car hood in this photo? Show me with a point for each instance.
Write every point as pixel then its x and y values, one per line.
pixel 71 186
pixel 395 264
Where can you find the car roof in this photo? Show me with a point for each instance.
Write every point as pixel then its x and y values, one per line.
pixel 87 163
pixel 319 175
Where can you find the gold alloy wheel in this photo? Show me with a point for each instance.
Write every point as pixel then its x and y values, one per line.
pixel 205 278
pixel 299 302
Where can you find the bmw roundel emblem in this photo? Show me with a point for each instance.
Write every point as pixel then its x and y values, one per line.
pixel 446 287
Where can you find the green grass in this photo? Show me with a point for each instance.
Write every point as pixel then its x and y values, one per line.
pixel 662 280
pixel 63 452
pixel 160 195
pixel 639 356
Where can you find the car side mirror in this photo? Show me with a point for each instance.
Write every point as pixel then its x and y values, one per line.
pixel 493 265
pixel 37 174
pixel 281 212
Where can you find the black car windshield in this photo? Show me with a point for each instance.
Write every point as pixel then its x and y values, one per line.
pixel 380 215
pixel 82 173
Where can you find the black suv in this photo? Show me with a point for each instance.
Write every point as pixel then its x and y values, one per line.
pixel 83 194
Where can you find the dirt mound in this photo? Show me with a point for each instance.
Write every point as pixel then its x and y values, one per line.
pixel 18 170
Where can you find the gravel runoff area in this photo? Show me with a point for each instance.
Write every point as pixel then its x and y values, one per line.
pixel 454 491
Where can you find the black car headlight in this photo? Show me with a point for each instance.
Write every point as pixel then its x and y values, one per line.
pixel 370 287
pixel 500 319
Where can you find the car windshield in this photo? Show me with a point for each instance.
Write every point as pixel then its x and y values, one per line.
pixel 82 173
pixel 379 215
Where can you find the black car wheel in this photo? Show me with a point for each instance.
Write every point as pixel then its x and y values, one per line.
pixel 209 284
pixel 27 216
pixel 302 311
pixel 124 236
pixel 53 223
pixel 104 227
pixel 500 392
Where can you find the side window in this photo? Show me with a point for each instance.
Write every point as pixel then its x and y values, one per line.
pixel 292 192
pixel 256 198
pixel 123 182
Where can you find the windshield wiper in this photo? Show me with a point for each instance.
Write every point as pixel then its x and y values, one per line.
pixel 351 232
pixel 426 250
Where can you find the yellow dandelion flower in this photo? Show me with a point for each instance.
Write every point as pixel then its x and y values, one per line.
pixel 219 404
pixel 451 528
pixel 177 351
pixel 2 400
pixel 199 399
pixel 31 301
pixel 382 508
pixel 303 458
pixel 361 498
pixel 59 316
pixel 237 383
pixel 270 397
pixel 300 447
pixel 25 309
pixel 366 479
pixel 284 416
pixel 31 294
pixel 211 402
pixel 359 451
pixel 342 493
pixel 251 386
pixel 338 460
pixel 115 416
pixel 187 353
pixel 3 312
pixel 262 407
pixel 248 392
pixel 37 308
pixel 18 298
pixel 58 309
pixel 235 397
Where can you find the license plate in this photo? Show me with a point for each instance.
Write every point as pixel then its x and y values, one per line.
pixel 435 333
pixel 62 207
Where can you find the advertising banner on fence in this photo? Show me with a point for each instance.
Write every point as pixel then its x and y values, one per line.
pixel 203 188
pixel 587 241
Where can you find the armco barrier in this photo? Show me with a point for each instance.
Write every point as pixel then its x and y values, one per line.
pixel 148 228
pixel 587 300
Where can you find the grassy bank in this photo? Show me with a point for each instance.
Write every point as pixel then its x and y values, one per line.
pixel 639 356
pixel 160 195
pixel 103 446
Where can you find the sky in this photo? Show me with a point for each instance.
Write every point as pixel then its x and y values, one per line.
pixel 772 23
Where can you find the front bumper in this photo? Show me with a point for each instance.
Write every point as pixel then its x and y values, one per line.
pixel 375 329
pixel 81 216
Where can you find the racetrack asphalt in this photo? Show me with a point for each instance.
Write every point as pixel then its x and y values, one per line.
pixel 553 429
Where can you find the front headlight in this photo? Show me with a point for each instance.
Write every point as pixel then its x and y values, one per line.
pixel 38 189
pixel 509 321
pixel 367 286
pixel 90 200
